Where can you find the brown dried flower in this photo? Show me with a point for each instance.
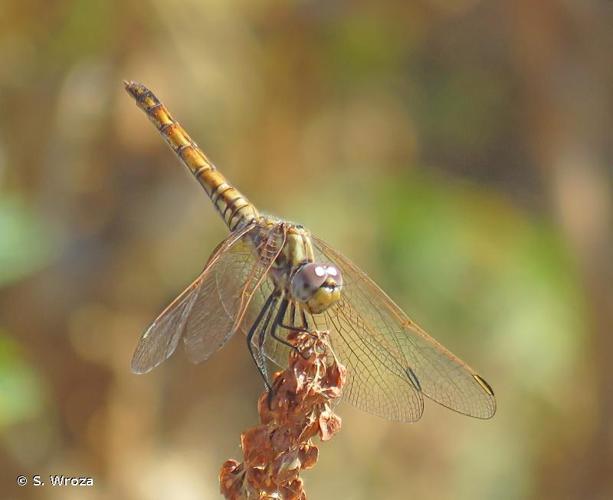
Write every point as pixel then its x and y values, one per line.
pixel 298 408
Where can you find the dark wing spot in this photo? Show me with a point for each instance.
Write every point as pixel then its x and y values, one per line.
pixel 486 387
pixel 413 379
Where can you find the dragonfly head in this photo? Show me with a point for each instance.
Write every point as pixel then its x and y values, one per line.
pixel 317 285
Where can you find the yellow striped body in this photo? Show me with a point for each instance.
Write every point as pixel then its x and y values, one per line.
pixel 234 207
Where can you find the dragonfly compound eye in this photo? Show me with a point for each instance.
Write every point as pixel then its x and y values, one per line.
pixel 317 285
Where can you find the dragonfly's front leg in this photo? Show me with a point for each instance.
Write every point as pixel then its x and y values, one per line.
pixel 261 338
pixel 279 323
pixel 303 329
pixel 266 311
pixel 305 324
pixel 261 326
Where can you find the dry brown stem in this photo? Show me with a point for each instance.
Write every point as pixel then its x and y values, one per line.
pixel 299 407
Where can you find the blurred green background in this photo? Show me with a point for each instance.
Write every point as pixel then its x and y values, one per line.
pixel 459 151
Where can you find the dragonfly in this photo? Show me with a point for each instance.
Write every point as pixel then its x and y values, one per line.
pixel 271 276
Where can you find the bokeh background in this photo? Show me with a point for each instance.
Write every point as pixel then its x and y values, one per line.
pixel 458 150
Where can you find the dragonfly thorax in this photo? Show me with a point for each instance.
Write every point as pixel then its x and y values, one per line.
pixel 318 286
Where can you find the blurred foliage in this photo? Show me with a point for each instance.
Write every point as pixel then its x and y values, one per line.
pixel 21 391
pixel 459 152
pixel 502 260
pixel 25 245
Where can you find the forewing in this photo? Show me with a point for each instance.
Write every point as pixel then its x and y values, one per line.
pixel 374 337
pixel 227 291
pixel 160 340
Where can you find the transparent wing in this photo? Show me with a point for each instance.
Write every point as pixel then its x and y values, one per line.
pixel 390 359
pixel 208 311
pixel 376 382
pixel 160 340
pixel 226 293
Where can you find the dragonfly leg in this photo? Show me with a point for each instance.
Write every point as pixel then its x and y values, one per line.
pixel 293 312
pixel 279 323
pixel 259 363
pixel 292 326
pixel 305 326
pixel 264 329
pixel 305 323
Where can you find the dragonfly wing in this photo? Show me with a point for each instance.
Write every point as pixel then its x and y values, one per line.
pixel 227 290
pixel 377 380
pixel 160 339
pixel 204 314
pixel 377 341
pixel 375 383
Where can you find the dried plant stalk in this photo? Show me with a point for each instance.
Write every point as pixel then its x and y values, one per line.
pixel 298 408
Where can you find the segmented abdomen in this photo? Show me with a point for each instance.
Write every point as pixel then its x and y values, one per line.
pixel 234 208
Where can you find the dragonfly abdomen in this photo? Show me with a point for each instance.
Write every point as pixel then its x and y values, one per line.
pixel 233 206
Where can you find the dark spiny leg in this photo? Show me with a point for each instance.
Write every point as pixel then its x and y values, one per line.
pixel 293 312
pixel 269 301
pixel 273 333
pixel 292 326
pixel 293 329
pixel 278 323
pixel 305 325
pixel 263 330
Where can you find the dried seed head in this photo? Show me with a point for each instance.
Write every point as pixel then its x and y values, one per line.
pixel 298 409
